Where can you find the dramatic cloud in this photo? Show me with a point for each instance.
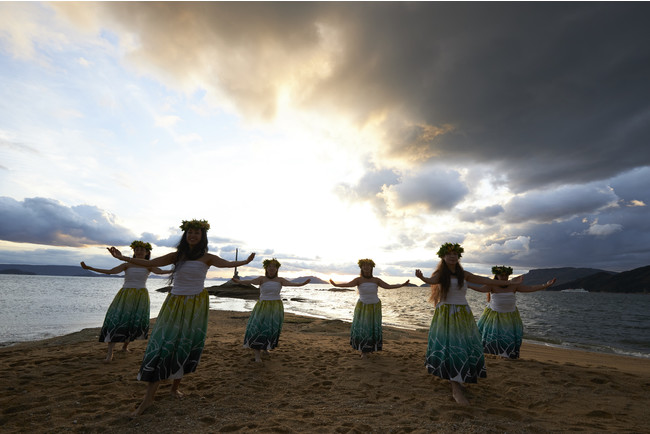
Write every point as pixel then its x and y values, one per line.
pixel 480 82
pixel 564 202
pixel 518 129
pixel 46 221
pixel 435 189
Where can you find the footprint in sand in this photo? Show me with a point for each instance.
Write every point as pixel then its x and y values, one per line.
pixel 600 414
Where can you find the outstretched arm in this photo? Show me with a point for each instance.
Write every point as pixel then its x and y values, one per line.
pixel 156 270
pixel 350 284
pixel 473 278
pixel 533 288
pixel 253 281
pixel 387 286
pixel 216 261
pixel 433 280
pixel 479 288
pixel 114 270
pixel 285 282
pixel 161 261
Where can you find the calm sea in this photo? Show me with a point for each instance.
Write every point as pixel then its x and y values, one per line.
pixel 37 307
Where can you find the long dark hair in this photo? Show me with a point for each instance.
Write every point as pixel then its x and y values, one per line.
pixel 185 253
pixel 439 292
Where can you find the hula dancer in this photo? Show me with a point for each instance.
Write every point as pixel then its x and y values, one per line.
pixel 178 336
pixel 265 323
pixel 127 317
pixel 500 324
pixel 454 351
pixel 365 333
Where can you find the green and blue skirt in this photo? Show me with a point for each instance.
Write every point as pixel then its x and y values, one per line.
pixel 454 350
pixel 177 338
pixel 264 325
pixel 365 333
pixel 501 332
pixel 127 318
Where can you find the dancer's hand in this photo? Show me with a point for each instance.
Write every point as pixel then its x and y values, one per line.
pixel 115 252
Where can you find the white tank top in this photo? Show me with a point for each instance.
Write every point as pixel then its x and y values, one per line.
pixel 270 290
pixel 135 277
pixel 368 293
pixel 455 295
pixel 189 278
pixel 503 302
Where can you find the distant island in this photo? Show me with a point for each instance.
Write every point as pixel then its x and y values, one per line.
pixel 315 280
pixel 589 279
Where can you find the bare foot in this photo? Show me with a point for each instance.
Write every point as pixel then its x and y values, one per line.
pixel 145 404
pixel 365 356
pixel 174 391
pixel 109 353
pixel 458 392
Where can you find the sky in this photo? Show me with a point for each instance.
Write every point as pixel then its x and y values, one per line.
pixel 322 133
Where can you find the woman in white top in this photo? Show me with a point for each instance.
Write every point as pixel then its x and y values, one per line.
pixel 454 351
pixel 178 336
pixel 266 320
pixel 500 325
pixel 366 332
pixel 127 317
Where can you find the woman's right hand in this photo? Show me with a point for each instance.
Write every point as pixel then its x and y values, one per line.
pixel 84 266
pixel 418 274
pixel 115 252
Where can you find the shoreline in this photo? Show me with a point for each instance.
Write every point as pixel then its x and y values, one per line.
pixel 314 382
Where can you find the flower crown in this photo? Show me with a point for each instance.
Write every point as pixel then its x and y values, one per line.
pixel 448 248
pixel 195 224
pixel 268 262
pixel 136 243
pixel 498 271
pixel 366 261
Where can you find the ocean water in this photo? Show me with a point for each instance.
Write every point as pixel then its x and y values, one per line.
pixel 38 307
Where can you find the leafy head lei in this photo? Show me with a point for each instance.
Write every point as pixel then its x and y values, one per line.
pixel 136 243
pixel 367 261
pixel 195 224
pixel 448 248
pixel 501 270
pixel 273 261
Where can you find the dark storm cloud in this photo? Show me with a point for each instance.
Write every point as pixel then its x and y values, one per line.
pixel 551 93
pixel 46 221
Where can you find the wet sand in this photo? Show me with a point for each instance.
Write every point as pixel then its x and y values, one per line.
pixel 314 382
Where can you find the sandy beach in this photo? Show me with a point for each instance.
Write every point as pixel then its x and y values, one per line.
pixel 314 382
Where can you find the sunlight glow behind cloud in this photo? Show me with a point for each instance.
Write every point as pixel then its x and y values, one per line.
pixel 325 132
